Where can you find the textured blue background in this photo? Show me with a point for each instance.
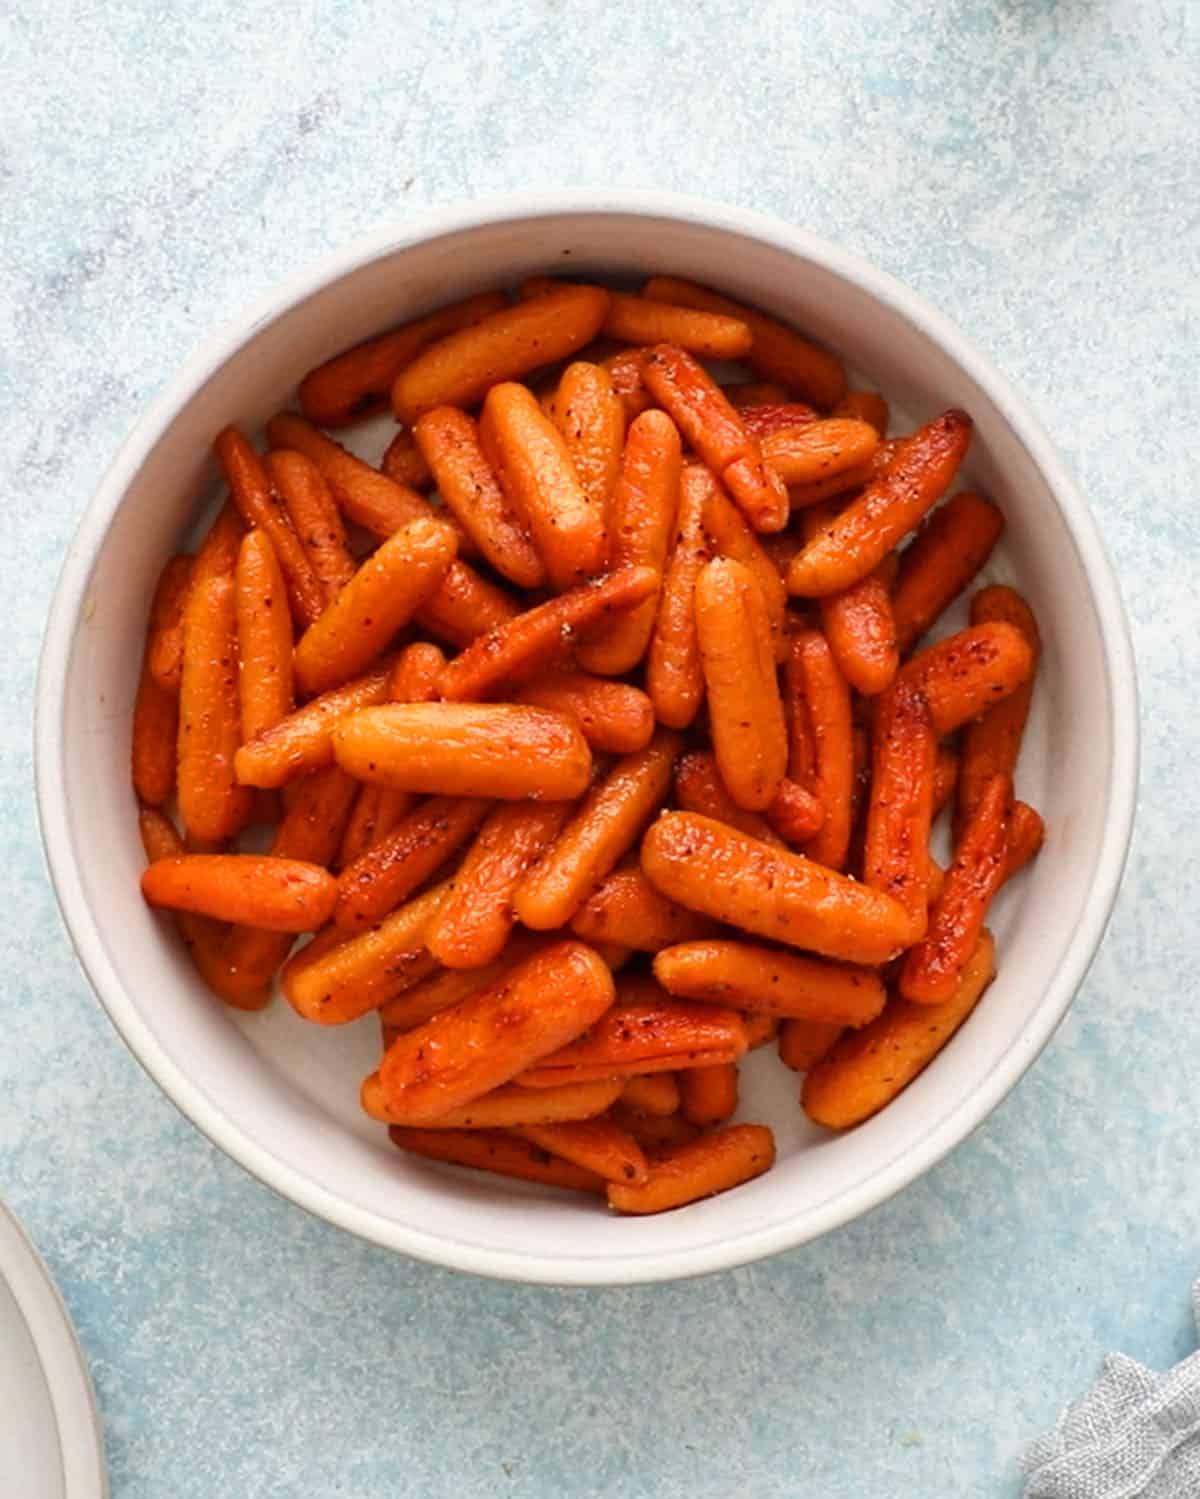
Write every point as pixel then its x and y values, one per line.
pixel 1032 167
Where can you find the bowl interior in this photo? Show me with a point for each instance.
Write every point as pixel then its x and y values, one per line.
pixel 280 1094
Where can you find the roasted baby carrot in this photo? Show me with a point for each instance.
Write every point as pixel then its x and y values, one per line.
pixel 865 406
pixel 616 719
pixel 460 369
pixel 1026 834
pixel 591 417
pixel 303 740
pixel 778 352
pixel 992 743
pixel 709 1095
pixel 627 909
pixel 718 871
pixel 747 393
pixel 900 813
pixel 674 675
pixel 465 607
pixel 686 1173
pixel 509 1107
pixel 490 1037
pixel 860 537
pixel 945 777
pixel 933 968
pixel 358 381
pixel 468 485
pixel 383 595
pixel 750 977
pixel 476 920
pixel 156 707
pixel 826 699
pixel 859 625
pixel 817 451
pixel 654 1095
pixel 606 826
pixel 708 335
pixel 745 711
pixel 597 1145
pixel 264 629
pixel 164 642
pixel 333 984
pixel 699 788
pixel 404 462
pixel 499 750
pixel 314 516
pixel 387 873
pixel 716 431
pixel 968 673
pixel 444 987
pixel 500 1153
pixel 535 469
pixel 866 1069
pixel 802 1043
pixel 654 1132
pixel 532 642
pixel 282 895
pixel 945 555
pixel 728 535
pixel 795 813
pixel 776 416
pixel 626 369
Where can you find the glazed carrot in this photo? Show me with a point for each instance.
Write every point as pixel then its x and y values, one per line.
pixel 716 431
pixel 304 739
pixel 795 814
pixel 388 873
pixel 745 711
pixel 754 978
pixel 1026 834
pixel 606 826
pixel 992 743
pixel 802 748
pixel 497 1152
pixel 761 1028
pixel 945 555
pixel 819 450
pixel 709 1094
pixel 945 777
pixel 827 706
pixel 460 369
pixel 865 406
pixel 674 676
pixel 720 872
pixel 627 909
pixel 652 1094
pixel 745 394
pixel 357 382
pixel 377 809
pixel 615 719
pixel 250 489
pixel 211 803
pixel 314 516
pixel 490 1037
pixel 475 922
pixel 777 416
pixel 282 895
pixel 156 708
pixel 467 483
pixel 508 1107
pixel 861 631
pixel 686 1173
pixel 598 1145
pixel 465 607
pixel 728 535
pixel 699 788
pixel 532 642
pixel 444 987
pixel 264 629
pixel 653 1132
pixel 499 750
pixel 802 1043
pixel 967 673
pixel 383 595
pixel 861 536
pixel 537 474
pixel 591 417
pixel 652 1034
pixel 626 369
pixel 164 641
pixel 866 1069
pixel 708 335
pixel 778 352
pixel 900 814
pixel 933 968
pixel 333 984
pixel 404 462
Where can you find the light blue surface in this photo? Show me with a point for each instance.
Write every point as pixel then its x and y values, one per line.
pixel 1034 169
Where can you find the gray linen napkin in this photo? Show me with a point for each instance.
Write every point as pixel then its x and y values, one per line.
pixel 1134 1435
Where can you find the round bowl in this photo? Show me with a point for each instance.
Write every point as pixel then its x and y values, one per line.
pixel 280 1096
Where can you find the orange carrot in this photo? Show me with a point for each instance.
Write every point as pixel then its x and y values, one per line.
pixel 819 450
pixel 654 1095
pixel 508 1107
pixel 865 406
pixel 314 516
pixel 404 462
pixel 967 673
pixel 992 743
pixel 802 1043
pixel 945 777
pixel 699 788
pixel 497 1152
pixel 303 740
pixel 709 1094
pixel 164 642
pixel 827 705
pixel 754 978
pixel 625 908
pixel 1026 834
pixel 674 676
pixel 747 394
pixel 945 555
pixel 860 537
pixel 264 627
pixel 465 607
pixel 728 535
pixel 282 895
pixel 597 1145
pixel 591 417
pixel 795 814
pixel 896 856
pixel 155 707
pixel 708 335
pixel 776 416
pixel 653 1132
pixel 686 1173
pixel 444 987
pixel 861 632
pixel 615 719
pixel 625 370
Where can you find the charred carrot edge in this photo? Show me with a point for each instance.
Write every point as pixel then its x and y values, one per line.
pixel 968 673
pixel 674 676
pixel 946 553
pixel 625 908
pixel 499 1153
pixel 310 507
pixel 933 968
pixel 709 1095
pixel 827 705
pixel 802 1043
pixel 686 1173
pixel 598 1145
pixel 866 1069
pixel 900 814
pixel 755 978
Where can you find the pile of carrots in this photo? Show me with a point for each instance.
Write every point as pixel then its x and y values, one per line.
pixel 594 733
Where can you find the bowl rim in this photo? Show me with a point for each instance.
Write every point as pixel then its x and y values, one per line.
pixel 289 1180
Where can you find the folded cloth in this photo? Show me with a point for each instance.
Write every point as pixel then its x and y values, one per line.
pixel 1134 1435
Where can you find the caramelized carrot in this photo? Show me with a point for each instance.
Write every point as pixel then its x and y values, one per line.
pixel 992 743
pixel 497 1152
pixel 264 628
pixel 709 1095
pixel 164 643
pixel 699 788
pixel 817 451
pixel 686 1173
pixel 754 978
pixel 947 552
pixel 597 1145
pixel 404 462
pixel 674 676
pixel 508 1107
pixel 626 369
pixel 314 516
pixel 156 707
pixel 728 535
pixel 795 814
pixel 865 406
pixel 281 895
pixel 303 740
pixel 802 1043
pixel 968 673
pixel 827 709
pixel 591 417
pixel 896 856
pixel 776 416
pixel 654 1095
pixel 616 719
pixel 625 908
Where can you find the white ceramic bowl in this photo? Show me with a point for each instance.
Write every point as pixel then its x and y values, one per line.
pixel 280 1096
